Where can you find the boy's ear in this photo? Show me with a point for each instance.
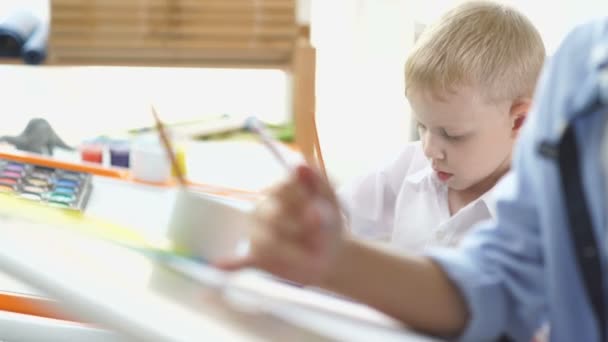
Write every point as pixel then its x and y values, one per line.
pixel 518 113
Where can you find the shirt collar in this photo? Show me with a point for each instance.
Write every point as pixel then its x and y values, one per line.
pixel 420 175
pixel 488 201
pixel 592 91
pixel 427 173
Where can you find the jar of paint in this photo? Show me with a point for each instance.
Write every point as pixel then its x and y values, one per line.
pixel 92 153
pixel 120 154
pixel 148 159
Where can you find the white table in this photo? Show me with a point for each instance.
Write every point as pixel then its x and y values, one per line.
pixel 147 209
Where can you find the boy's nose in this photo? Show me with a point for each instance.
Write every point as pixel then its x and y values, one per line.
pixel 432 147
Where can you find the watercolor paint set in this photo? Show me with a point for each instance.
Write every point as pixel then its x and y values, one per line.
pixel 52 186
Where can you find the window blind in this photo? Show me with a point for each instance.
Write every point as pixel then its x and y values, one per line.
pixel 177 32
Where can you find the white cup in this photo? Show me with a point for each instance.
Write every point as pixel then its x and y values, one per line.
pixel 208 227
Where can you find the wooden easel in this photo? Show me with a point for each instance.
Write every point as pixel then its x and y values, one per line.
pixel 193 33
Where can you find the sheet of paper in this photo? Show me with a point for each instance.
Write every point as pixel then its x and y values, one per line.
pixel 328 314
pixel 114 287
pixel 333 316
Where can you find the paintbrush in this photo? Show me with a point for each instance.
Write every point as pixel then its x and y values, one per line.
pixel 169 149
pixel 255 126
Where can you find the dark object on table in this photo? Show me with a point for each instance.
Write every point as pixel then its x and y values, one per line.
pixel 15 30
pixel 38 137
pixel 34 50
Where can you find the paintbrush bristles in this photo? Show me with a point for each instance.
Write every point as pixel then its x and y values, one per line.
pixel 169 149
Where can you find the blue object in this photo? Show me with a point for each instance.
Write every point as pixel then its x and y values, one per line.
pixel 66 183
pixel 34 50
pixel 64 190
pixel 15 30
pixel 521 270
pixel 119 155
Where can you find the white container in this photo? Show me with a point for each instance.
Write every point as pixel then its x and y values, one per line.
pixel 208 227
pixel 148 160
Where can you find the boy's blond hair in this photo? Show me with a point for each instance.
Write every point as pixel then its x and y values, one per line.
pixel 486 45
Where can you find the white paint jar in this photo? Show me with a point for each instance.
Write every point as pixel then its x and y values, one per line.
pixel 148 160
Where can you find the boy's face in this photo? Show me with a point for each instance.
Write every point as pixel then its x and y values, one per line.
pixel 468 140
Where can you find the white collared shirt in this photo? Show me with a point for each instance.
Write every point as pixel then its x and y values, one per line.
pixel 405 204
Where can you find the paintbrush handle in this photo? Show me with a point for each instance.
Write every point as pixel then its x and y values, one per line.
pixel 169 149
pixel 257 128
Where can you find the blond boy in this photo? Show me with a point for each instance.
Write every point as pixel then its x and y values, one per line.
pixel 469 81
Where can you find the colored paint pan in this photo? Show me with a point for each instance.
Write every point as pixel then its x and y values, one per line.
pixel 40 175
pixel 11 174
pixel 8 181
pixel 14 167
pixel 44 169
pixel 37 182
pixel 71 176
pixel 31 196
pixel 64 190
pixel 61 198
pixel 66 183
pixel 33 189
pixel 6 188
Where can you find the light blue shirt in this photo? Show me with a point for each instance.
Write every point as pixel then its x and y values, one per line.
pixel 522 269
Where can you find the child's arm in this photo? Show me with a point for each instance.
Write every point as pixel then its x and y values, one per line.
pixel 414 290
pixel 300 237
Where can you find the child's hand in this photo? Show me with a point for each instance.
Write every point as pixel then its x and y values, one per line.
pixel 299 231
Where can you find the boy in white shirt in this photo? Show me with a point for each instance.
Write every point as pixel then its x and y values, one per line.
pixel 469 80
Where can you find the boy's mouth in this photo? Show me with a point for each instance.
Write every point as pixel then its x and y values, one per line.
pixel 443 176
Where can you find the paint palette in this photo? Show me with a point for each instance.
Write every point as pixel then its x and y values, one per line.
pixel 57 187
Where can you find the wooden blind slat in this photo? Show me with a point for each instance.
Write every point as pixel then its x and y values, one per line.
pixel 203 44
pixel 162 56
pixel 189 31
pixel 176 5
pixel 186 29
pixel 112 18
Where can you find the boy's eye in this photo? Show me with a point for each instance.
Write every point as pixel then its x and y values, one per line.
pixel 452 137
